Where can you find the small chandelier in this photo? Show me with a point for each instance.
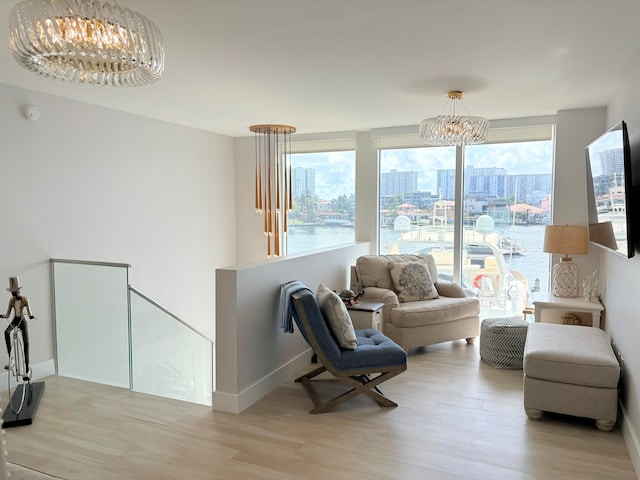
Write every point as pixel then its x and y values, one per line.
pixel 86 41
pixel 454 128
pixel 273 181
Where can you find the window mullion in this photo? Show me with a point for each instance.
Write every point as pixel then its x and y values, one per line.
pixel 458 216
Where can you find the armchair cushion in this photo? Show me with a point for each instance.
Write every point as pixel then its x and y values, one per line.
pixel 412 281
pixel 450 289
pixel 337 317
pixel 444 309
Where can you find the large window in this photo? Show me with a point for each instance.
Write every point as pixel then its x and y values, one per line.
pixel 506 196
pixel 507 203
pixel 411 197
pixel 323 187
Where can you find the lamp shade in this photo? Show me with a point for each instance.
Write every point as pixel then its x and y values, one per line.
pixel 566 239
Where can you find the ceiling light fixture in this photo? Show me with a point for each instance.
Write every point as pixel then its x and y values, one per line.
pixel 86 41
pixel 273 181
pixel 454 128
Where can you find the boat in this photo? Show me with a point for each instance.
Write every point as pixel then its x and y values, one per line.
pixel 485 271
pixel 476 244
pixel 505 246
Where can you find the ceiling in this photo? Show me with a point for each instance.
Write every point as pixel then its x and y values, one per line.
pixel 336 65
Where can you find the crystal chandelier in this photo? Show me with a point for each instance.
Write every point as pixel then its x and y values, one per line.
pixel 273 192
pixel 454 128
pixel 86 41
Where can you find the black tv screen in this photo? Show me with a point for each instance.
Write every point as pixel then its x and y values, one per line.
pixel 609 191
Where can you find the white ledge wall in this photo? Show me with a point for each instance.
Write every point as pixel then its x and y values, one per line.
pixel 620 277
pixel 253 354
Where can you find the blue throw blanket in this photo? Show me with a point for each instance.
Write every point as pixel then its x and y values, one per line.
pixel 284 307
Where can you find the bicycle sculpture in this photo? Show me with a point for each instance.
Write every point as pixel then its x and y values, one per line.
pixel 16 337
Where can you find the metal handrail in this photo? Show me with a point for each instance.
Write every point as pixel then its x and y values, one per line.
pixel 89 262
pixel 172 315
pixel 137 292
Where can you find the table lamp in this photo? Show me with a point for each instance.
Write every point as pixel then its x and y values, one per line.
pixel 566 240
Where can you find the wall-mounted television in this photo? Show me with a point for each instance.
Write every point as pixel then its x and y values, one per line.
pixel 609 191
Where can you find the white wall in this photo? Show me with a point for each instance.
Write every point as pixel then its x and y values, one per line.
pixel 253 354
pixel 620 277
pixel 251 243
pixel 574 130
pixel 85 182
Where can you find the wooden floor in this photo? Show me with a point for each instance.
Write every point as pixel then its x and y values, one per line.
pixel 458 419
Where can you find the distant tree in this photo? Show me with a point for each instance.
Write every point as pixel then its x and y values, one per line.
pixel 304 207
pixel 392 205
pixel 342 204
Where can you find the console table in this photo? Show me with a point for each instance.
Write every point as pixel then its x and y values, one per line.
pixel 578 304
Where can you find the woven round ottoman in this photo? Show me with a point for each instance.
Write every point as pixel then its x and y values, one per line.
pixel 502 341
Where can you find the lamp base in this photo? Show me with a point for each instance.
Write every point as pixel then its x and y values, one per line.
pixel 565 279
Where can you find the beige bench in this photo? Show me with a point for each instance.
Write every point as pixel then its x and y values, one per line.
pixel 570 370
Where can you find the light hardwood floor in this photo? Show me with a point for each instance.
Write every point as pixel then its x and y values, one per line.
pixel 458 419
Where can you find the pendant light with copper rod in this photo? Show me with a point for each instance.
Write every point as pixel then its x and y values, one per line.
pixel 273 189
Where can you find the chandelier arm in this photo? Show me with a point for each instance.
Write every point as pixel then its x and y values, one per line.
pixel 465 107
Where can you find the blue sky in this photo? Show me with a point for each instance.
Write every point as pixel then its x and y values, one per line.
pixel 335 171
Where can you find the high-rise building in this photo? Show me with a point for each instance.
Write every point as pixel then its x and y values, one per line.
pixel 612 161
pixel 494 182
pixel 397 183
pixel 528 187
pixel 303 180
pixel 489 182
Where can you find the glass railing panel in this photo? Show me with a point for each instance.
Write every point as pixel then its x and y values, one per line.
pixel 169 359
pixel 91 322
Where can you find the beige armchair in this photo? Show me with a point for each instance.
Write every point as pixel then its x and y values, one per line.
pixel 416 322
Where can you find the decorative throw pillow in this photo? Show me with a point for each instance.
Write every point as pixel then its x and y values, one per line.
pixel 412 281
pixel 337 317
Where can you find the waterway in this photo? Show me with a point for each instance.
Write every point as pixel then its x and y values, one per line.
pixel 533 263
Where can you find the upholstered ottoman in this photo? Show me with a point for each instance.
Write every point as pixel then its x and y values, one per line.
pixel 502 341
pixel 570 370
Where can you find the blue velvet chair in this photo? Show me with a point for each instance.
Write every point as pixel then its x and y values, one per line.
pixel 376 359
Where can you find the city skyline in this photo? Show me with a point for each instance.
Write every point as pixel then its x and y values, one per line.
pixel 335 171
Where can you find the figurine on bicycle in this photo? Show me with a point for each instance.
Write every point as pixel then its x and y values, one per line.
pixel 18 304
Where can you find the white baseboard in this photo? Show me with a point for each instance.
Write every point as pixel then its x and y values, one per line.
pixel 39 370
pixel 630 440
pixel 236 403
